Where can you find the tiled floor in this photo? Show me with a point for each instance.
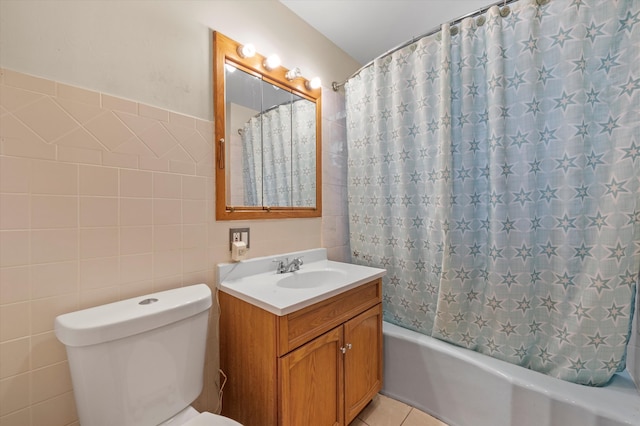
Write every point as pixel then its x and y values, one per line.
pixel 384 411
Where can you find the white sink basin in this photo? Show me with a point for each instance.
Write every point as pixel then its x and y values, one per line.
pixel 312 278
pixel 255 280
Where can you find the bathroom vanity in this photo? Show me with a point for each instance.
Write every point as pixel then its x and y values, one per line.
pixel 309 354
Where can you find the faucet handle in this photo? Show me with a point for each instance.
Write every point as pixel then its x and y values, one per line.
pixel 296 263
pixel 280 264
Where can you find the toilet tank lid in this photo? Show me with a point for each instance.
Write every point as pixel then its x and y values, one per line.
pixel 132 316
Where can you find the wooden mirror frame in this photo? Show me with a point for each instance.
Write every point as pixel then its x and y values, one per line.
pixel 225 50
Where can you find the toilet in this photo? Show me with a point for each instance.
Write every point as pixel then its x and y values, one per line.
pixel 140 362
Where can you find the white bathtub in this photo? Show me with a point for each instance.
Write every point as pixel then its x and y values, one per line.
pixel 466 388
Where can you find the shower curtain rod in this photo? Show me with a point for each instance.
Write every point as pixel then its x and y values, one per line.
pixel 335 85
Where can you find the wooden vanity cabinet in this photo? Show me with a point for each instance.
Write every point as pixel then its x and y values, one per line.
pixel 318 366
pixel 310 382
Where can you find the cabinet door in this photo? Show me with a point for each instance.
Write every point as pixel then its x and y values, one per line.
pixel 311 379
pixel 363 360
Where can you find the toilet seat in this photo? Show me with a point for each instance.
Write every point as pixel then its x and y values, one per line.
pixel 210 419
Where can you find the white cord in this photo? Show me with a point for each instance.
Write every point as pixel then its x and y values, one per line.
pixel 224 382
pixel 224 376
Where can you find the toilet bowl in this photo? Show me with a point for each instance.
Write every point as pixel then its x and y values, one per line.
pixel 190 417
pixel 140 361
pixel 208 419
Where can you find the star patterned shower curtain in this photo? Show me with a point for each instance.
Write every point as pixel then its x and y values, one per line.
pixel 272 163
pixel 494 172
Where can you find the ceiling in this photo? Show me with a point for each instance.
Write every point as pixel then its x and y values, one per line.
pixel 366 29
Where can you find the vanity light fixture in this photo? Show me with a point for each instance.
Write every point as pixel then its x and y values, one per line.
pixel 313 84
pixel 271 63
pixel 293 73
pixel 247 50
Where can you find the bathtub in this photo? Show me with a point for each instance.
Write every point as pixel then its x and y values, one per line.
pixel 466 388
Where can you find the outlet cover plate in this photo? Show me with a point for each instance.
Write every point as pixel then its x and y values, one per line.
pixel 238 234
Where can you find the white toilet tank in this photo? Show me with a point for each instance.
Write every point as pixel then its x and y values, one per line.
pixel 139 361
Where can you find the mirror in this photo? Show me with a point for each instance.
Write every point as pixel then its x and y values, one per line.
pixel 268 144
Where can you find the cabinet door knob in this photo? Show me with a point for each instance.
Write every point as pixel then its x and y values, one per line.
pixel 345 348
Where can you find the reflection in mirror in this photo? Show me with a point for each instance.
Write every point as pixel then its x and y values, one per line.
pixel 304 153
pixel 243 101
pixel 279 172
pixel 268 151
pixel 273 128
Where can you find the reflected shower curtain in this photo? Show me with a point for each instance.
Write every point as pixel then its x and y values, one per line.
pixel 252 161
pixel 303 154
pixel 494 172
pixel 266 141
pixel 278 150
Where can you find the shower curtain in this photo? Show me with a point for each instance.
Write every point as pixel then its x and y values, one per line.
pixel 494 172
pixel 279 149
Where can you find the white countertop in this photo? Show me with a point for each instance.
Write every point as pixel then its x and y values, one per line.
pixel 255 280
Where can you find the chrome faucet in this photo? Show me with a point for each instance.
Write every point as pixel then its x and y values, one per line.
pixel 285 266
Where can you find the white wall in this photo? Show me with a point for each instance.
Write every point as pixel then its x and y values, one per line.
pixel 88 213
pixel 155 52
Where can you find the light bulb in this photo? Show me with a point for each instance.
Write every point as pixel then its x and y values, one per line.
pixel 272 62
pixel 247 51
pixel 314 83
pixel 293 73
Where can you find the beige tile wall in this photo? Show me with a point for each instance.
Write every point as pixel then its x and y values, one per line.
pixel 102 198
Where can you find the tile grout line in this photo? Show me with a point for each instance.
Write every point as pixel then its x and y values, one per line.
pixel 407 416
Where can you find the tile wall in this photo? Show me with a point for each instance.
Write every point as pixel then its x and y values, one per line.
pixel 103 198
pixel 335 219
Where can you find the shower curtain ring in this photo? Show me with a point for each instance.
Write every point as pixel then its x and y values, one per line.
pixel 504 12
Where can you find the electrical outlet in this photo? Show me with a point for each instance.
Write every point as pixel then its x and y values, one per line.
pixel 238 234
